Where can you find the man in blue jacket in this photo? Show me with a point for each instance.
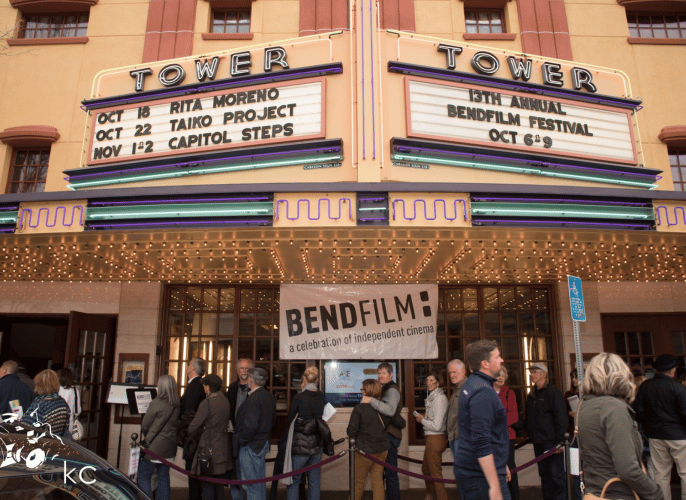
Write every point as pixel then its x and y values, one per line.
pixel 481 472
pixel 12 389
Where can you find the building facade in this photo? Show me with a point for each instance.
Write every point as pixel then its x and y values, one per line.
pixel 169 166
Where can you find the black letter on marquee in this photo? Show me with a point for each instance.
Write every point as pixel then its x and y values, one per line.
pixel 520 68
pixel 139 75
pixel 274 55
pixel 486 70
pixel 552 75
pixel 204 70
pixel 294 323
pixel 583 78
pixel 239 60
pixel 450 53
pixel 178 78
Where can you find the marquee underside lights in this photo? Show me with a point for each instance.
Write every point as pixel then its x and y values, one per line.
pixel 416 152
pixel 311 154
pixel 161 212
pixel 493 210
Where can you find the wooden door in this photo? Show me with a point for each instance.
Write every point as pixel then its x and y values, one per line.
pixel 90 354
pixel 640 339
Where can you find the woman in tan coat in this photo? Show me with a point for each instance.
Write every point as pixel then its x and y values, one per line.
pixel 213 414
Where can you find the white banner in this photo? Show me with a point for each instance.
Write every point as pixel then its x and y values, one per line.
pixel 358 321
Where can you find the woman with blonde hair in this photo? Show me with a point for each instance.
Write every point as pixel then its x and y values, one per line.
pixel 306 410
pixel 158 434
pixel 610 445
pixel 368 428
pixel 48 408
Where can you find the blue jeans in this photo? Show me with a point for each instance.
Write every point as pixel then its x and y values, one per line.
pixel 391 476
pixel 253 467
pixel 300 461
pixel 146 468
pixel 453 444
pixel 236 491
pixel 476 488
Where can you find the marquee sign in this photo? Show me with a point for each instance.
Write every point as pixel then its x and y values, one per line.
pixel 477 115
pixel 242 117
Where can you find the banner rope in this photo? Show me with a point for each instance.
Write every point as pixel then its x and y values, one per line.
pixel 237 482
pixel 450 481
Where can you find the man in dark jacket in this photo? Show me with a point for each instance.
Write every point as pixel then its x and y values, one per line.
pixel 12 390
pixel 254 422
pixel 483 444
pixel 237 394
pixel 546 424
pixel 661 409
pixel 191 399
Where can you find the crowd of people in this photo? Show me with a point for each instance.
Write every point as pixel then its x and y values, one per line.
pixel 227 435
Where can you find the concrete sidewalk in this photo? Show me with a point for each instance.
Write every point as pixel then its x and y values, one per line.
pixel 528 493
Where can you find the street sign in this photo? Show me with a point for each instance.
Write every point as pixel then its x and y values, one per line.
pixel 576 298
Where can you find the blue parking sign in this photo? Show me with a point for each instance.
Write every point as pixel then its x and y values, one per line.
pixel 576 298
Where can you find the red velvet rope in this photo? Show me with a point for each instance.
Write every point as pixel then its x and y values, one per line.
pixel 246 481
pixel 448 481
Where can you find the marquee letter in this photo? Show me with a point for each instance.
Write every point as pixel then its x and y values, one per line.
pixel 204 70
pixel 239 60
pixel 552 75
pixel 583 78
pixel 274 55
pixel 178 78
pixel 450 53
pixel 139 75
pixel 520 68
pixel 494 63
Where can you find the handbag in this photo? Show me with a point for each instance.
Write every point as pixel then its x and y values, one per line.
pixel 77 427
pixel 591 496
pixel 205 458
pixel 325 433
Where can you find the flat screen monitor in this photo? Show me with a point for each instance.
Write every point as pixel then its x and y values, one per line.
pixel 343 380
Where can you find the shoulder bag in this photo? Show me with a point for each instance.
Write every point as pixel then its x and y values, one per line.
pixel 77 428
pixel 205 458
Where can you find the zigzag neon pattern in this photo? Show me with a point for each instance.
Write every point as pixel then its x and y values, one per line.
pixel 47 216
pixel 319 209
pixel 426 215
pixel 676 216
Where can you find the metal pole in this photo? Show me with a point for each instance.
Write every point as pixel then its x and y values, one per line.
pixel 568 463
pixel 351 469
pixel 579 355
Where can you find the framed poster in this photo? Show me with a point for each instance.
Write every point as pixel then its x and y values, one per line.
pixel 132 371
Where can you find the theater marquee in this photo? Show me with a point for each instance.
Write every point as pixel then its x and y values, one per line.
pixel 520 121
pixel 216 120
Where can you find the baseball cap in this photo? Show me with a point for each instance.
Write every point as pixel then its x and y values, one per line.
pixel 539 366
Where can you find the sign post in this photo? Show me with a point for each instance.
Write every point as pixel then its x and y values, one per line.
pixel 576 302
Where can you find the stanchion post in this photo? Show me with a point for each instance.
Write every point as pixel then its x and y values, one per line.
pixel 568 468
pixel 351 468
